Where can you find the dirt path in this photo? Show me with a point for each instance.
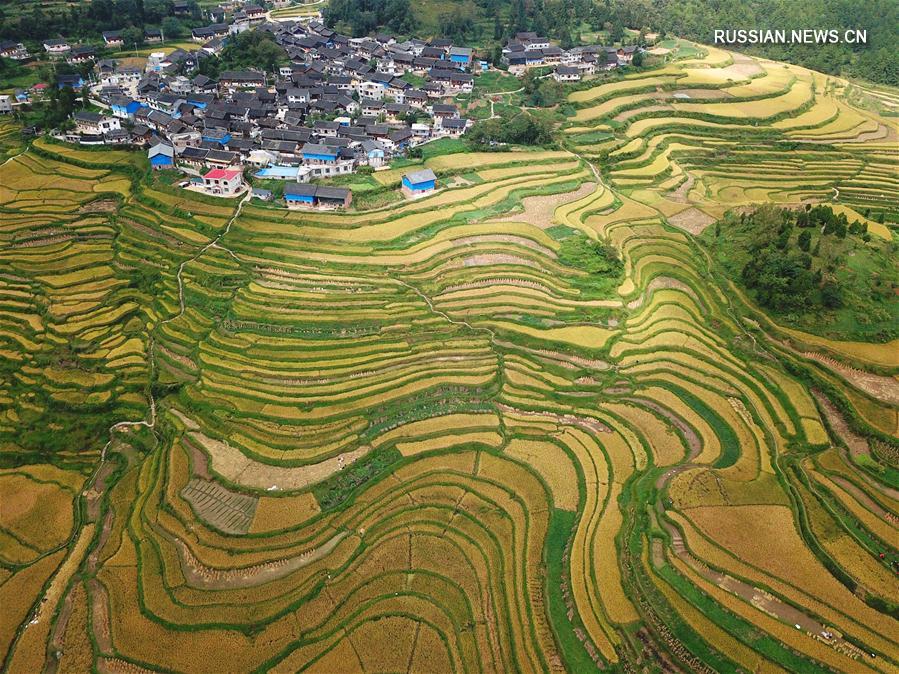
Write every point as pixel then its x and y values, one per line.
pixel 879 386
pixel 201 576
pixel 757 597
pixel 856 444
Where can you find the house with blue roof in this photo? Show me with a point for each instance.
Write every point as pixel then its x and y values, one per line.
pixel 300 195
pixel 419 183
pixel 314 153
pixel 220 136
pixel 279 172
pixel 161 156
pixel 460 56
pixel 124 107
pixel 374 153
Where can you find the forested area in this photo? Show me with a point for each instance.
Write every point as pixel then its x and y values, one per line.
pixel 812 264
pixel 878 61
pixel 568 20
pixel 24 21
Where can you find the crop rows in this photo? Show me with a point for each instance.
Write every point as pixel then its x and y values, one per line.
pixel 421 438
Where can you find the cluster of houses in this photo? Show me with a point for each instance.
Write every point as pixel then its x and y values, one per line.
pixel 529 50
pixel 340 104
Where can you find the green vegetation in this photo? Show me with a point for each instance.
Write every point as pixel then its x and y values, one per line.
pixel 362 18
pixel 522 129
pixel 813 268
pixel 877 61
pixel 31 21
pixel 535 421
pixel 253 49
pixel 334 491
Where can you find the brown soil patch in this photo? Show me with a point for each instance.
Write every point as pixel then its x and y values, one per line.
pixel 539 211
pixel 564 419
pixel 857 445
pixel 100 206
pixel 178 358
pixel 486 259
pixel 881 387
pixel 458 181
pixel 680 194
pixel 199 575
pixel 745 65
pixel 236 467
pixel 691 220
pixel 224 509
pixel 100 616
pixel 504 238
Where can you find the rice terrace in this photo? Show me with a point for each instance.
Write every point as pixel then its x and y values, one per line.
pixel 625 401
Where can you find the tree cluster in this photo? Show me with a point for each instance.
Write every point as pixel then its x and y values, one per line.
pixel 877 61
pixel 88 19
pixel 255 49
pixel 522 129
pixel 363 17
pixel 541 91
pixel 781 267
pixel 594 257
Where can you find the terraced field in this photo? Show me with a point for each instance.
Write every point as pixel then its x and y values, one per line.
pixel 416 439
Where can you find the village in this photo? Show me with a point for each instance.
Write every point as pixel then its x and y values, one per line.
pixel 341 103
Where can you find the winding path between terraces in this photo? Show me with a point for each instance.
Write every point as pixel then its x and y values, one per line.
pixel 95 487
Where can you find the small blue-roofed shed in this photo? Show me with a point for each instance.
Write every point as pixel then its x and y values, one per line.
pixel 161 156
pixel 419 182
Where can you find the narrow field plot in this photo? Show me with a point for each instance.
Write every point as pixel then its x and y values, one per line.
pixel 614 88
pixel 553 465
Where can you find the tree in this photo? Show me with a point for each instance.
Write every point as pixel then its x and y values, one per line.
pixel 804 240
pixel 133 37
pixel 172 28
pixel 253 49
pixel 840 230
pixel 637 61
pixel 831 295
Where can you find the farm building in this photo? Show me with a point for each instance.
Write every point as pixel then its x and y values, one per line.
pixel 225 182
pixel 113 38
pixel 460 56
pixel 374 153
pixel 5 104
pixel 419 183
pixel 161 156
pixel 56 47
pixel 567 74
pixel 301 195
pixel 263 194
pixel 279 172
pixel 74 81
pixel 333 197
pixel 124 107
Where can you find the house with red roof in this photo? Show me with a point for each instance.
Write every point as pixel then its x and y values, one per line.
pixel 223 182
